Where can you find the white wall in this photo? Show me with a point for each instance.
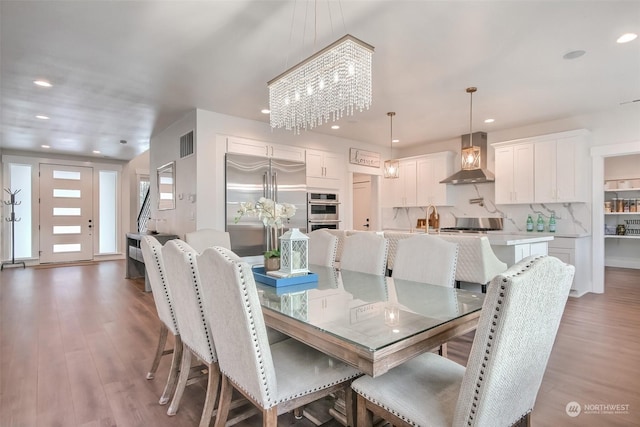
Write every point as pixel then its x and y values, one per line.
pixel 165 148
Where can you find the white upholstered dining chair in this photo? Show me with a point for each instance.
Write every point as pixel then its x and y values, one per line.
pixel 517 327
pixel 192 306
pixel 276 378
pixel 322 248
pixel 477 263
pixel 155 270
pixel 365 252
pixel 207 238
pixel 428 259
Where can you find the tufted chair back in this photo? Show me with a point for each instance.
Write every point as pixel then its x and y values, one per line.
pixel 428 259
pixel 519 321
pixel 154 264
pixel 365 252
pixel 323 247
pixel 191 299
pixel 477 263
pixel 207 238
pixel 237 322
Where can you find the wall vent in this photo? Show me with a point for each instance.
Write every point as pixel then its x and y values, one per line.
pixel 186 145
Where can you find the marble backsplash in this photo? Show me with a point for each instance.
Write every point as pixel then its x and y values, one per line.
pixel 477 200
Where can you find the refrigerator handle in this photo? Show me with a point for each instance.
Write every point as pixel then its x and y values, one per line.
pixel 274 186
pixel 264 186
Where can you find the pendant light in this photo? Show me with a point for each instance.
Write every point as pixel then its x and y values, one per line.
pixel 471 155
pixel 391 167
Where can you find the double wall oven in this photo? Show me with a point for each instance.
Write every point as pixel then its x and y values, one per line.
pixel 323 211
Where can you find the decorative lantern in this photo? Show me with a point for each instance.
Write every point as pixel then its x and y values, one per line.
pixel 294 252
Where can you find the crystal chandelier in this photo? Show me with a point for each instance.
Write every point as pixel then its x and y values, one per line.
pixel 471 155
pixel 391 167
pixel 329 84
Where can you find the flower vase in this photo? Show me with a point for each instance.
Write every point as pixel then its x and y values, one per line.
pixel 272 263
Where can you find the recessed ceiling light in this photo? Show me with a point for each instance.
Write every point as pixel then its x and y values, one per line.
pixel 265 111
pixel 489 120
pixel 574 54
pixel 41 117
pixel 96 151
pixel 42 83
pixel 45 146
pixel 335 127
pixel 395 140
pixel 626 38
pixel 123 141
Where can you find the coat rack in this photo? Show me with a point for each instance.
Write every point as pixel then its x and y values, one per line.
pixel 12 219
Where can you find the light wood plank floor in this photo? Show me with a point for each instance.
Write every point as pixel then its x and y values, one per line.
pixel 76 343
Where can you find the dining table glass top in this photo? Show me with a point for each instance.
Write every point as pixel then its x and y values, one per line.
pixel 368 310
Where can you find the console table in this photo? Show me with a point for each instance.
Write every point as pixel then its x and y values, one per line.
pixel 135 262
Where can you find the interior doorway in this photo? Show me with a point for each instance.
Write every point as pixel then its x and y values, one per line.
pixel 66 213
pixel 362 206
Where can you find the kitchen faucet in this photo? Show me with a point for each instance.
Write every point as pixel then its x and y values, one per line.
pixel 426 218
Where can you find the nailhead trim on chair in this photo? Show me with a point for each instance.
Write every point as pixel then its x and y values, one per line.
pixel 490 340
pixel 271 402
pixel 194 279
pixel 155 248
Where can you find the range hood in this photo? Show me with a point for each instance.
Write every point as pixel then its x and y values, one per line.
pixel 473 176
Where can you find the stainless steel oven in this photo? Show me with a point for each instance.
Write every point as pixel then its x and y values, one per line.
pixel 323 211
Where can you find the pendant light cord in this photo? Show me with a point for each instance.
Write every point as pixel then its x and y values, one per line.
pixel 470 91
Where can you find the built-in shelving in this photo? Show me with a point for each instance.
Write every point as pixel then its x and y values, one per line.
pixel 615 236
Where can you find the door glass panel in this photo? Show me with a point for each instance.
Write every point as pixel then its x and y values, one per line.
pixel 67 229
pixel 61 192
pixel 66 175
pixel 66 211
pixel 69 247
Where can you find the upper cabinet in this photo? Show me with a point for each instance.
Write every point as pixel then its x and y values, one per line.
pixel 544 169
pixel 401 191
pixel 419 182
pixel 322 164
pixel 264 149
pixel 431 170
pixel 324 169
pixel 514 173
pixel 560 166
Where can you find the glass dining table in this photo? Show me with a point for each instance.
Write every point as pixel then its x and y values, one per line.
pixel 373 323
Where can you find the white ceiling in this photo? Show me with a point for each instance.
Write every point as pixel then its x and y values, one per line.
pixel 127 69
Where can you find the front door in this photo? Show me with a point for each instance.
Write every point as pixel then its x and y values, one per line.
pixel 361 202
pixel 66 213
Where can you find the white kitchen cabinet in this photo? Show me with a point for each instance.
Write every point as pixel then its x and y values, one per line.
pixel 264 149
pixel 560 168
pixel 514 172
pixel 324 164
pixel 401 191
pixel 574 251
pixel 430 170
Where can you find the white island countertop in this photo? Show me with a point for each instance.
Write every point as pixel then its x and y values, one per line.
pixel 517 239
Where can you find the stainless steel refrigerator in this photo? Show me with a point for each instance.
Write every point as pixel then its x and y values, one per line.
pixel 250 177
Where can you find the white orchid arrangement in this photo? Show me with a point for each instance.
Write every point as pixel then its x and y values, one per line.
pixel 273 215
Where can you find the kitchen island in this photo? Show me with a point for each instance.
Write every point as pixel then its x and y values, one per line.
pixel 511 248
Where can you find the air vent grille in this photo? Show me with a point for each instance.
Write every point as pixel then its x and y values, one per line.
pixel 186 145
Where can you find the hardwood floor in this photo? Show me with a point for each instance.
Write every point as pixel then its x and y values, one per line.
pixel 76 343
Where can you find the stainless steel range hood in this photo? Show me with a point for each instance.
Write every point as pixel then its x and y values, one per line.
pixel 473 176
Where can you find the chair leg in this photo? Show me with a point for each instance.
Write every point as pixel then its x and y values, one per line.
pixel 162 340
pixel 226 391
pixel 176 359
pixel 185 367
pixel 442 351
pixel 350 406
pixel 270 417
pixel 212 394
pixel 364 417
